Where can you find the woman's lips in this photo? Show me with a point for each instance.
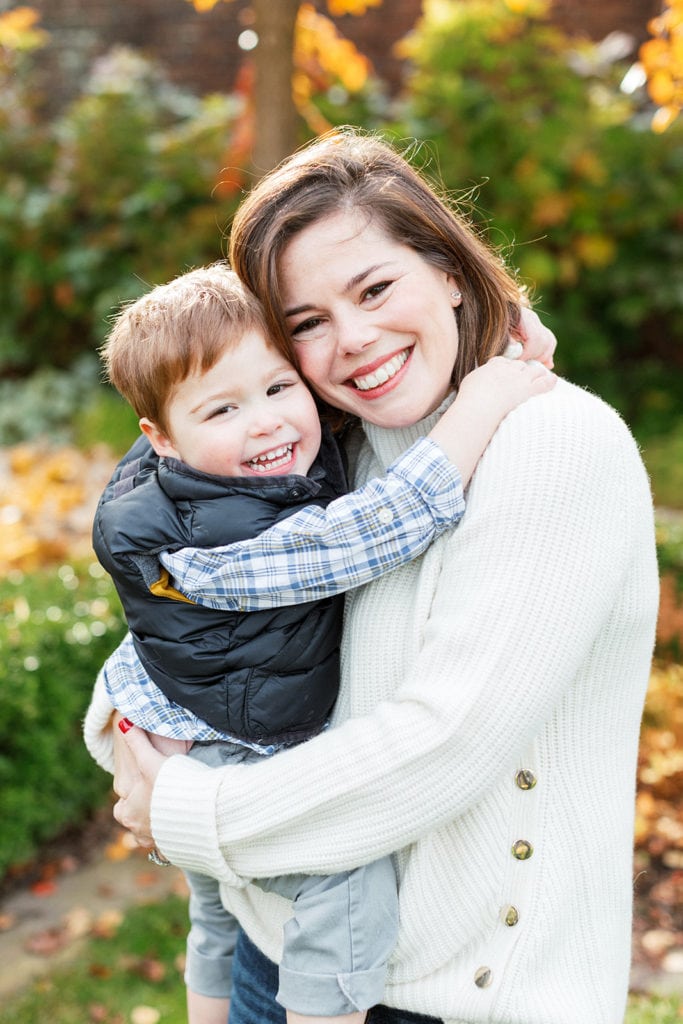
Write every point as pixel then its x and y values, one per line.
pixel 375 377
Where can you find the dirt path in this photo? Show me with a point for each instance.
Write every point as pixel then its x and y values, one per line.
pixel 44 925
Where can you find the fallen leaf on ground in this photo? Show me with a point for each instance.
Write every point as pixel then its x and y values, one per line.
pixel 107 924
pixel 78 922
pixel 48 942
pixel 46 887
pixel 144 1015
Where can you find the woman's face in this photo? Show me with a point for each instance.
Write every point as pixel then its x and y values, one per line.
pixel 372 321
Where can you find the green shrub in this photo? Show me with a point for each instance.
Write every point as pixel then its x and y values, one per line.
pixel 120 194
pixel 55 631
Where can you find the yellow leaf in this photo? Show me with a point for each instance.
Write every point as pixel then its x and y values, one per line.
pixel 595 250
pixel 338 8
pixel 661 88
pixel 204 5
pixel 18 29
pixel 551 209
pixel 664 118
pixel 145 1015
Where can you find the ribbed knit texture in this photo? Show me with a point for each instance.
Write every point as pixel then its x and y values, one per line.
pixel 521 639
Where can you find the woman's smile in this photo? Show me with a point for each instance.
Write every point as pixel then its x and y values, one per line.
pixel 381 372
pixel 373 322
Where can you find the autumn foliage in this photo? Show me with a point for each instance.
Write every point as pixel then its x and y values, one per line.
pixel 662 59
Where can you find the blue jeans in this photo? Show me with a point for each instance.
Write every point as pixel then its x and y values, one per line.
pixel 255 983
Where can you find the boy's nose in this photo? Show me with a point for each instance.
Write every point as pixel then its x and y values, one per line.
pixel 265 421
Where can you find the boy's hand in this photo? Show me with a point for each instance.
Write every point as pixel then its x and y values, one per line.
pixel 532 340
pixel 500 385
pixel 485 397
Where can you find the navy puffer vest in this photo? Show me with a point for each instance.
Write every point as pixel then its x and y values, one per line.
pixel 266 676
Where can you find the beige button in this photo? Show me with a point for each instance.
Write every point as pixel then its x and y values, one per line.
pixel 522 849
pixel 525 779
pixel 509 916
pixel 483 977
pixel 385 515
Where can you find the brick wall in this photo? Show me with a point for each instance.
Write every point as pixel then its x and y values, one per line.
pixel 201 51
pixel 597 18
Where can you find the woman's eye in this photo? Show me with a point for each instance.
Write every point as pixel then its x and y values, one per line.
pixel 306 325
pixel 376 289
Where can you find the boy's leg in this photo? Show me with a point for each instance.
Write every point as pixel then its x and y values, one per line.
pixel 213 929
pixel 337 943
pixel 210 947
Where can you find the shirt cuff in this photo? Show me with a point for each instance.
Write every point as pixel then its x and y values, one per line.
pixel 184 818
pixel 425 467
pixel 97 727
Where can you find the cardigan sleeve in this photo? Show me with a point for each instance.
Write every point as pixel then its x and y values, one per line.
pixel 527 582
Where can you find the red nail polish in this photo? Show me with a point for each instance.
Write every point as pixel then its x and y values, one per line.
pixel 124 725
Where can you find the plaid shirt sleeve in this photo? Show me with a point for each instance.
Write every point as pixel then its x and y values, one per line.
pixel 318 552
pixel 135 695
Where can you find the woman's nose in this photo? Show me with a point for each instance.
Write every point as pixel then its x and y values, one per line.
pixel 355 331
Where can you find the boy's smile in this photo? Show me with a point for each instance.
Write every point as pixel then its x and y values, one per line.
pixel 250 414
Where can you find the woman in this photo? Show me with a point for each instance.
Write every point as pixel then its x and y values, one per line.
pixel 487 726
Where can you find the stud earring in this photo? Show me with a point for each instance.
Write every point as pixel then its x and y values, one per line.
pixel 457 297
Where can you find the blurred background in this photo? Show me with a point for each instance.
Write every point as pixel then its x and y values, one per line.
pixel 130 130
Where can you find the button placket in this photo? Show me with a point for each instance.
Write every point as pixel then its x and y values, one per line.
pixel 517 886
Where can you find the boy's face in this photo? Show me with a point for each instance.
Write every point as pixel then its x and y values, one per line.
pixel 249 415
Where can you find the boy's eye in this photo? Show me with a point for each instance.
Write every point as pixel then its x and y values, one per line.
pixel 276 389
pixel 221 411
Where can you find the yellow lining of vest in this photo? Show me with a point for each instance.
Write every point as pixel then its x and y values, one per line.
pixel 163 588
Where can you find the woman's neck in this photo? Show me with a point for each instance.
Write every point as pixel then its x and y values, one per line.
pixel 389 442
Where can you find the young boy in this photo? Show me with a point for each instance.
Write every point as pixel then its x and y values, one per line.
pixel 239 456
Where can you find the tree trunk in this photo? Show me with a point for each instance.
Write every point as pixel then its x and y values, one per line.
pixel 275 129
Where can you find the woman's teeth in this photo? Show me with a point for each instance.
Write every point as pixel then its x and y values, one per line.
pixel 269 461
pixel 382 374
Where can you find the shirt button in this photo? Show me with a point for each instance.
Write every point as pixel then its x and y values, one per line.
pixel 522 849
pixel 385 516
pixel 525 779
pixel 296 492
pixel 483 977
pixel 510 916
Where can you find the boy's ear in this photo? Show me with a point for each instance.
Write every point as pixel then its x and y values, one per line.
pixel 161 444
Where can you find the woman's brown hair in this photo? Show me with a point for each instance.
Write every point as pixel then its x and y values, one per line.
pixel 350 170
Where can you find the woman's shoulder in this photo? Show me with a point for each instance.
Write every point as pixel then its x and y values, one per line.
pixel 565 433
pixel 570 411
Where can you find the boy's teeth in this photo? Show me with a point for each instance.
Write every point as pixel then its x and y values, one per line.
pixel 271 460
pixel 382 374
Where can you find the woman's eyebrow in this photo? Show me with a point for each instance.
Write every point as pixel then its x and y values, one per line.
pixel 352 283
pixel 359 278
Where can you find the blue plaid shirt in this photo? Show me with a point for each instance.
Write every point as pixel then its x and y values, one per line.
pixel 315 553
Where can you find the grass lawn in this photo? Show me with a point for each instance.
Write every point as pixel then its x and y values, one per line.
pixel 133 975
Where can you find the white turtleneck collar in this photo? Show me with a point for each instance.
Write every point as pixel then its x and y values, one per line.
pixel 387 443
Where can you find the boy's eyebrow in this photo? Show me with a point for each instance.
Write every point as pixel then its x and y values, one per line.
pixel 352 283
pixel 229 396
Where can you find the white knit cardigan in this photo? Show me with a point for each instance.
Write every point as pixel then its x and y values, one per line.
pixel 487 729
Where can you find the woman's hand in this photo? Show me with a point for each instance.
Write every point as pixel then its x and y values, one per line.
pixel 532 340
pixel 137 765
